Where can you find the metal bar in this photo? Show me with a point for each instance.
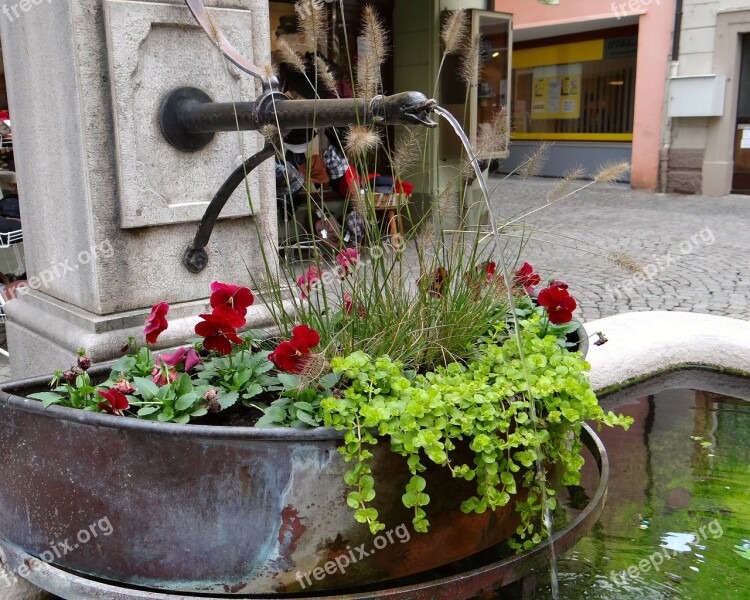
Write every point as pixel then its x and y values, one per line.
pixel 196 257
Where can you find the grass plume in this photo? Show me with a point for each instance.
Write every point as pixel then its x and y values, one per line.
pixel 454 32
pixel 627 262
pixel 291 58
pixel 611 172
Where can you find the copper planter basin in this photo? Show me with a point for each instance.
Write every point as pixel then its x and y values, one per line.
pixel 227 510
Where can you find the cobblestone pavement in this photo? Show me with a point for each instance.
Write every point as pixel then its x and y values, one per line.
pixel 695 249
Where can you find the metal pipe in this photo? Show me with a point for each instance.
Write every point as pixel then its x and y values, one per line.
pixel 189 118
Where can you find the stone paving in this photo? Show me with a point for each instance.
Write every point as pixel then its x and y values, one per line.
pixel 695 249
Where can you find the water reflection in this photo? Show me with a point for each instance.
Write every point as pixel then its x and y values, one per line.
pixel 677 521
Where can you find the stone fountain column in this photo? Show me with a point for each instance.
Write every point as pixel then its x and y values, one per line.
pixel 108 206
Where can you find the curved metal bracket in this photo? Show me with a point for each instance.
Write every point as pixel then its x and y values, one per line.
pixel 195 257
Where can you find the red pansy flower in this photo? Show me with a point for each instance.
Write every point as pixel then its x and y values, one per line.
pixel 308 279
pixel 348 259
pixel 293 356
pixel 156 322
pixel 218 333
pixel 558 302
pixel 304 338
pixel 526 278
pixel 231 300
pixel 187 355
pixel 115 401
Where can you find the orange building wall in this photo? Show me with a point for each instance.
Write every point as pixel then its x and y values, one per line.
pixel 656 24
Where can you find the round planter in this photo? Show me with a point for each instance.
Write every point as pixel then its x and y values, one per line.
pixel 228 510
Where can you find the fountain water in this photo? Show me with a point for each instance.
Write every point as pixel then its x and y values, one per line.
pixel 547 517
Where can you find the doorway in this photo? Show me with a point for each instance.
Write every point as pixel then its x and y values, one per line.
pixel 741 170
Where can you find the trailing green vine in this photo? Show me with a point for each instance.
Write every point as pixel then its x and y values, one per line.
pixel 484 404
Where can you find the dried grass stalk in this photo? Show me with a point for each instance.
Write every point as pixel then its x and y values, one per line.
pixel 627 262
pixel 470 70
pixel 533 165
pixel 375 34
pixel 612 172
pixel 407 152
pixel 563 188
pixel 454 32
pixel 311 19
pixel 361 140
pixel 290 57
pixel 325 76
pixel 492 137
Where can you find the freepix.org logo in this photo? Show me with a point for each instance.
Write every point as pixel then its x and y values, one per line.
pixel 14 11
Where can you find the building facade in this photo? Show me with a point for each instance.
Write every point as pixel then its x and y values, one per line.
pixel 590 77
pixel 707 137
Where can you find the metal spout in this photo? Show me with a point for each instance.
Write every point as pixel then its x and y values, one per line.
pixel 189 118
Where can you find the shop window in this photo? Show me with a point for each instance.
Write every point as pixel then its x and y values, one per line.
pixel 576 91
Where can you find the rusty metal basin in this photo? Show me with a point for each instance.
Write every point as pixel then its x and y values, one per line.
pixel 221 510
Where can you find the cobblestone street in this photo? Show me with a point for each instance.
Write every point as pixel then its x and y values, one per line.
pixel 694 248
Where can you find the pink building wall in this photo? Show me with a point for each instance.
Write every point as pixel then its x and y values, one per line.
pixel 656 23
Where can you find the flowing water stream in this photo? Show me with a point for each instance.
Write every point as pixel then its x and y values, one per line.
pixel 500 258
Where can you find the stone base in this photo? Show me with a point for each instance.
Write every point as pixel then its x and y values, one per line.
pixel 44 333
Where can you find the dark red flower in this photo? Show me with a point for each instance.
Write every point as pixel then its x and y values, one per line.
pixel 218 333
pixel 348 259
pixel 526 278
pixel 187 355
pixel 304 338
pixel 489 269
pixel 293 356
pixel 156 322
pixel 308 279
pixel 558 302
pixel 287 358
pixel 559 284
pixel 437 284
pixel 231 300
pixel 115 403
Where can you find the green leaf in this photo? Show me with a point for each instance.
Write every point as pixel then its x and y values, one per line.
pixel 227 399
pixel 47 398
pixel 146 388
pixel 148 410
pixel 252 390
pixel 307 419
pixel 290 382
pixel 329 381
pixel 199 413
pixel 123 365
pixel 304 406
pixel 186 401
pixel 184 385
